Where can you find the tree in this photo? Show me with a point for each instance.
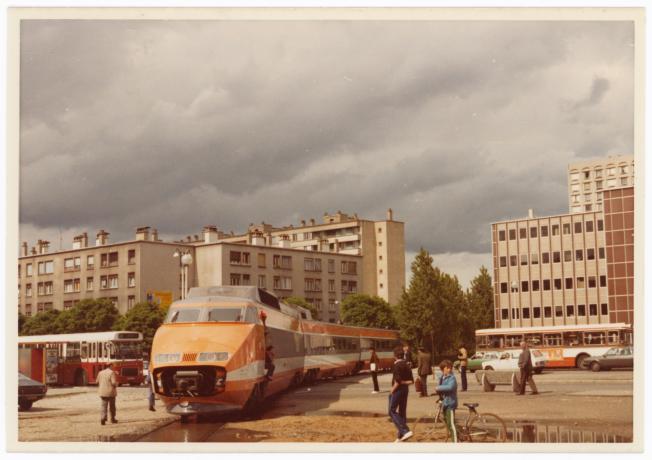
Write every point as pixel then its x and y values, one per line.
pixel 144 317
pixel 301 302
pixel 480 302
pixel 41 324
pixel 21 322
pixel 88 315
pixel 367 311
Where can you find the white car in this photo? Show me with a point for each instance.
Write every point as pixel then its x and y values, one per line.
pixel 508 361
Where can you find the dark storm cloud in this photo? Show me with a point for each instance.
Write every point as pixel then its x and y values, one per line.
pixel 176 124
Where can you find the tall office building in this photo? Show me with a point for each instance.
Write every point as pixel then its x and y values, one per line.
pixel 588 181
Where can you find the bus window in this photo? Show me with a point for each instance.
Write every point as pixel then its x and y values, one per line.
pixel 183 315
pixel 225 314
pixel 614 338
pixel 496 341
pixel 552 340
pixel 84 351
pixel 571 339
pixel 481 342
pixel 595 338
pixel 533 340
pixel 513 341
pixel 73 350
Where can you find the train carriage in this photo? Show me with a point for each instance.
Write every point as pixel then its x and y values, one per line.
pixel 209 355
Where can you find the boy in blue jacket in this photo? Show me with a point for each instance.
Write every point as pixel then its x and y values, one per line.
pixel 447 390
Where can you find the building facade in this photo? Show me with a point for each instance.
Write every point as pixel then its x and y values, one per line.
pixel 588 181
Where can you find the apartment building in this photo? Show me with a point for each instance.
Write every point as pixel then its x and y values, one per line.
pixel 381 245
pixel 126 273
pixel 322 278
pixel 588 181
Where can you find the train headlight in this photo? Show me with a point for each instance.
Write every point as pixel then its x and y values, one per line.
pixel 163 358
pixel 213 356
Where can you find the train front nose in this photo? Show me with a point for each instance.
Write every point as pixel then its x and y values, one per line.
pixel 192 381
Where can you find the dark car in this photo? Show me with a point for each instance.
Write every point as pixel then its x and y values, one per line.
pixel 29 391
pixel 612 359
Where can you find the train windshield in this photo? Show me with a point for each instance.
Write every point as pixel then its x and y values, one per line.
pixel 183 315
pixel 225 314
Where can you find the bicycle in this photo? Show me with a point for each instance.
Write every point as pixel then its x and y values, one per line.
pixel 477 427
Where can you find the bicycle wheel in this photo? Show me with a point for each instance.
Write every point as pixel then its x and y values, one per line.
pixel 427 429
pixel 487 428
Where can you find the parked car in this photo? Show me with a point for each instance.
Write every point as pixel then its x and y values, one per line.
pixel 475 361
pixel 29 391
pixel 612 359
pixel 508 361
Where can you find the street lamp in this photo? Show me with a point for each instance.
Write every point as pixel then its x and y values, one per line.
pixel 185 259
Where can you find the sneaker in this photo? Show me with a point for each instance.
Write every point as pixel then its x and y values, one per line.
pixel 406 436
pixel 374 392
pixel 397 440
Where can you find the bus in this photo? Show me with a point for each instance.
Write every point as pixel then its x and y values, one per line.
pixel 563 346
pixel 76 359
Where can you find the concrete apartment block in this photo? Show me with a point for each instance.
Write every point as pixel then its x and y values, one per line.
pixel 588 181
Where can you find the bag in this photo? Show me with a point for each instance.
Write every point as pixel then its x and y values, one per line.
pixel 417 385
pixel 372 366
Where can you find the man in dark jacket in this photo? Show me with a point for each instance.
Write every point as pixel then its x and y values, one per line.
pixel 398 395
pixel 374 363
pixel 424 369
pixel 525 365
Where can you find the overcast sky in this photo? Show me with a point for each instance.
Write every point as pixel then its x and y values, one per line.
pixel 178 125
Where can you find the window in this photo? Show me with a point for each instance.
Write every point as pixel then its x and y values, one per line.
pixel 262 282
pixel 579 254
pixel 526 313
pixel 522 233
pixel 501 235
pixel 578 227
pixel 568 256
pixel 592 281
pixel 566 229
pixel 246 279
pixel 569 283
pixel 504 314
pixel 104 282
pixel 535 285
pixel 623 169
pixel 544 230
pixel 331 285
pixel 28 269
pixel 283 282
pixel 533 232
pixel 598 196
pixel 380 244
pixel 611 170
pixel 601 253
pixel 556 257
pixel 593 309
pixel 590 254
pixel 581 310
pixel 623 181
pixel 131 256
pixel 570 310
pixel 113 259
pixel 349 268
pixel 587 186
pixel 46 268
pixel 524 286
pixel 503 261
pixel 28 290
pixel 611 182
pixel 536 312
pixel 512 234
pixel 235 279
pixel 545 258
pixel 515 313
pixel 598 173
pixel 559 312
pixel 555 230
pixel 28 309
pixel 239 258
pixel 282 261
pixel 586 174
pixel 311 285
pixel 534 259
pixel 598 185
pixel 557 283
pixel 547 312
pixel 67 304
pixel 131 279
pixel 90 262
pixel 503 288
pixel 331 265
pixel 513 261
pixel 262 262
pixel 575 175
pixel 45 288
pixel 546 285
pixel 523 259
pixel 575 188
pixel 603 281
pixel 580 282
pixel 72 264
pixel 349 287
pixel 604 309
pixel 309 264
pixel 89 283
pixel 131 301
pixel 113 281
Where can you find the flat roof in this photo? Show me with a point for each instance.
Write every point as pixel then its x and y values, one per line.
pixel 276 248
pixel 90 248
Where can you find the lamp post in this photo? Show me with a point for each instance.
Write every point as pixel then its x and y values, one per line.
pixel 185 259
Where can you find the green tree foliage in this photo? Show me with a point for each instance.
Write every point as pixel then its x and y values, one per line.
pixel 41 323
pixel 144 317
pixel 301 302
pixel 480 302
pixel 89 315
pixel 431 309
pixel 367 311
pixel 21 321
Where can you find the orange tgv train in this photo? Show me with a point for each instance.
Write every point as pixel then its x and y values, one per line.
pixel 209 355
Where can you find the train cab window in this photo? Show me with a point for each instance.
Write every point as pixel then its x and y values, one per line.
pixel 251 315
pixel 183 315
pixel 225 314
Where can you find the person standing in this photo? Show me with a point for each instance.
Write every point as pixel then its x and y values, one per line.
pixel 374 362
pixel 107 384
pixel 407 355
pixel 150 392
pixel 424 369
pixel 447 389
pixel 525 365
pixel 398 395
pixel 463 356
pixel 269 362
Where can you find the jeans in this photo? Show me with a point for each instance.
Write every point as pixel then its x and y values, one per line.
pixel 463 373
pixel 110 401
pixel 398 409
pixel 374 377
pixel 526 377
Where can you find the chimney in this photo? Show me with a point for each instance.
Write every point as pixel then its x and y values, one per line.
pixel 303 223
pixel 78 242
pixel 189 239
pixel 284 242
pixel 196 237
pixel 312 221
pixel 142 234
pixel 34 251
pixel 43 246
pixel 390 214
pixel 102 238
pixel 210 234
pixel 530 214
pixel 257 239
pixel 23 250
pixel 155 235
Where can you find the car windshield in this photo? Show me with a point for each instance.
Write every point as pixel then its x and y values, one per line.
pixel 612 352
pixel 183 315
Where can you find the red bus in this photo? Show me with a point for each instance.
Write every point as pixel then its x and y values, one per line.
pixel 76 359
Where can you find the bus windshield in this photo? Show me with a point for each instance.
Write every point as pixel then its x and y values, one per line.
pixel 127 350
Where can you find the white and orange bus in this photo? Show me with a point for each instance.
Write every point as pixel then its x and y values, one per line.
pixel 76 359
pixel 563 346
